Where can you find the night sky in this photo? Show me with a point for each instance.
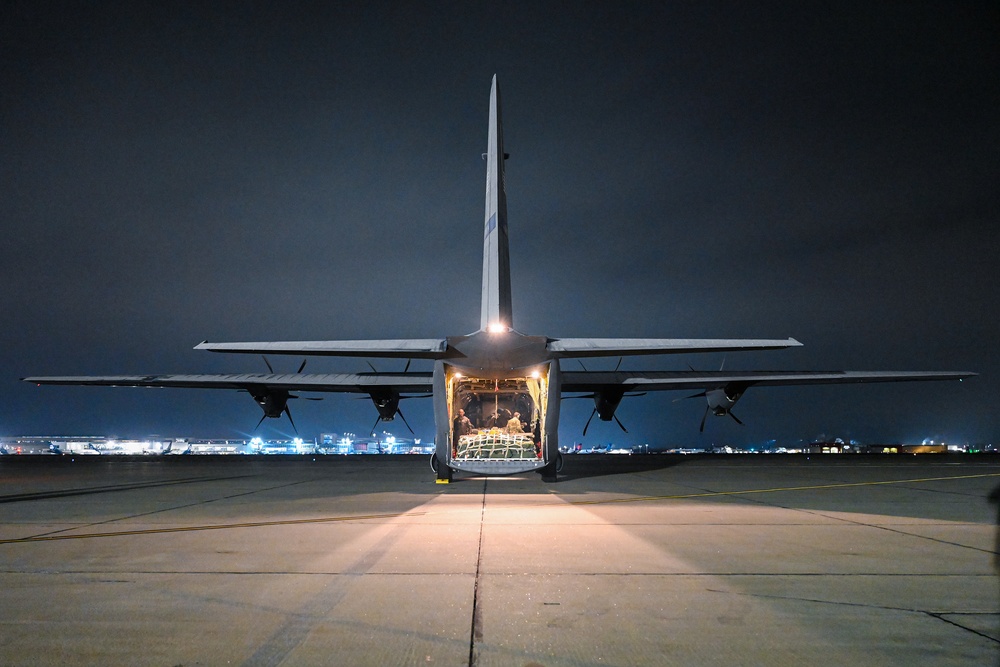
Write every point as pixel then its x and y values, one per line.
pixel 176 172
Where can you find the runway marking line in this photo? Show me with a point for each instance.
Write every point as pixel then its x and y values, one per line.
pixel 570 503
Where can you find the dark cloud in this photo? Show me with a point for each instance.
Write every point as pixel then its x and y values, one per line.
pixel 248 171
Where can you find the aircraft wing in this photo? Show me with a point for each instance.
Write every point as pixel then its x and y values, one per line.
pixel 361 383
pixel 573 381
pixel 401 348
pixel 613 347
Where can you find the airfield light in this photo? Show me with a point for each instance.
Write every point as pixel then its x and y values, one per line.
pixel 497 327
pixel 535 374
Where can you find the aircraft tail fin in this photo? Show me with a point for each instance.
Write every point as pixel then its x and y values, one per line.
pixel 496 303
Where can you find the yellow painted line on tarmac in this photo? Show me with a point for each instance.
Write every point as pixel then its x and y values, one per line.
pixel 710 494
pixel 220 526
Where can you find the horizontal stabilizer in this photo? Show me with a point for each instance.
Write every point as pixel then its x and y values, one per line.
pixel 613 347
pixel 403 348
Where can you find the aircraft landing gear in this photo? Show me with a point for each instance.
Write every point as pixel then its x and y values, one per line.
pixel 443 472
pixel 549 472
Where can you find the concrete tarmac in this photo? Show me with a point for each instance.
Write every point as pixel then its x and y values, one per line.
pixel 658 560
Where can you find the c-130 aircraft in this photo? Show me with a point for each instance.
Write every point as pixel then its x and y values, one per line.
pixel 497 391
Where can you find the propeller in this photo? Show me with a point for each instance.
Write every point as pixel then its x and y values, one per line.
pixel 684 398
pixel 262 418
pixel 587 425
pixel 387 401
pixel 398 412
pixel 274 402
pixel 615 417
pixel 286 411
pixel 719 400
pixel 719 410
pixel 271 370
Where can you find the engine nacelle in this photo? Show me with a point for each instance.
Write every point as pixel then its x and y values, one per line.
pixel 722 400
pixel 606 401
pixel 272 401
pixel 386 402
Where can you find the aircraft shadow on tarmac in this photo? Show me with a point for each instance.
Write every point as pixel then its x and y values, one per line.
pixel 596 465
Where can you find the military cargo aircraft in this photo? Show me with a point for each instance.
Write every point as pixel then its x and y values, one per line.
pixel 497 391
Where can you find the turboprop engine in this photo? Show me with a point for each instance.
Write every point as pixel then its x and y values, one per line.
pixel 387 403
pixel 273 402
pixel 606 401
pixel 720 402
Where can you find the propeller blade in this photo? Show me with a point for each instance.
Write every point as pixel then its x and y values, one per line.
pixel 400 413
pixel 310 398
pixel 289 413
pixel 302 366
pixel 618 365
pixel 581 364
pixel 620 424
pixel 634 394
pixel 588 421
pixel 407 365
pixel 701 429
pixel 377 420
pixel 684 398
pixel 371 367
pixel 736 419
pixel 262 418
pixel 268 364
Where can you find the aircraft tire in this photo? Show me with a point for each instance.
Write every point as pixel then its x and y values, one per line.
pixel 549 473
pixel 434 462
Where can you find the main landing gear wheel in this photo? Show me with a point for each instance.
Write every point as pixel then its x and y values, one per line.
pixel 550 472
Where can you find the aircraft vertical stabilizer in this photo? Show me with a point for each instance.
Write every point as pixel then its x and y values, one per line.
pixel 496 304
